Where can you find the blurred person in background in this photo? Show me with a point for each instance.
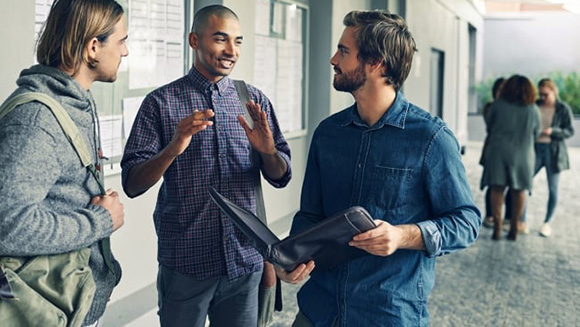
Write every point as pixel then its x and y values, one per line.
pixel 550 147
pixel 488 221
pixel 513 123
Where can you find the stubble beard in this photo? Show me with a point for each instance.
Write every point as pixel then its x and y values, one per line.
pixel 350 81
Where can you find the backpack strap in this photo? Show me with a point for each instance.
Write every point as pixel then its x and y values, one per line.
pixel 68 126
pixel 268 301
pixel 244 96
pixel 255 158
pixel 75 138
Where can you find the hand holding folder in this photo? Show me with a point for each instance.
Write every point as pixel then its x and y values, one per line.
pixel 325 242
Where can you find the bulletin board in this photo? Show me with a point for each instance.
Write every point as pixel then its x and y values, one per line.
pixel 281 61
pixel 158 54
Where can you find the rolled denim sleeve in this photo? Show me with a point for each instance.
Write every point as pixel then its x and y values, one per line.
pixel 456 218
pixel 431 238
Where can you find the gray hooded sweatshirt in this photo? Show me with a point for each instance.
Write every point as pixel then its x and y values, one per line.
pixel 45 192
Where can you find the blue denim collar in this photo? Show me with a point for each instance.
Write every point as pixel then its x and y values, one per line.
pixel 395 116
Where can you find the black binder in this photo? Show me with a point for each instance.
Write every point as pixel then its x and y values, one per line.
pixel 325 242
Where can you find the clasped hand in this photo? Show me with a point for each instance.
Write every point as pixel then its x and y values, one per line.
pixel 112 203
pixel 382 240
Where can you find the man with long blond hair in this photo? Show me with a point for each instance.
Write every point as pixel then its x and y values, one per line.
pixel 50 204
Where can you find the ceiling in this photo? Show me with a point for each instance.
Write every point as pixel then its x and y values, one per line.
pixel 506 6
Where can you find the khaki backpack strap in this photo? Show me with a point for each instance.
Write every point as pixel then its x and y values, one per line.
pixel 244 96
pixel 255 157
pixel 68 126
pixel 74 136
pixel 268 298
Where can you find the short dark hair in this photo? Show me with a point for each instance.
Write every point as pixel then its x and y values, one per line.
pixel 202 16
pixel 383 37
pixel 70 25
pixel 518 89
pixel 496 88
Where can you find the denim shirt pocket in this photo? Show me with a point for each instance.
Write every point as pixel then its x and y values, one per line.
pixel 389 192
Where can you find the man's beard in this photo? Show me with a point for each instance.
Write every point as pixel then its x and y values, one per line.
pixel 350 81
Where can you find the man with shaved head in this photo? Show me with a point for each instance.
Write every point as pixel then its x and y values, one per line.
pixel 192 133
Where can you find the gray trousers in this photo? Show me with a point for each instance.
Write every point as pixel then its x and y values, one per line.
pixel 186 302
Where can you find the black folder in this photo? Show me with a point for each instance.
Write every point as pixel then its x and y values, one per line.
pixel 325 242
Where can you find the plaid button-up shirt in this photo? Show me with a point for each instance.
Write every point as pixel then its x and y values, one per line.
pixel 194 236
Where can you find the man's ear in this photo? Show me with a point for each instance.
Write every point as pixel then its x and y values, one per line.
pixel 374 67
pixel 377 65
pixel 193 40
pixel 91 52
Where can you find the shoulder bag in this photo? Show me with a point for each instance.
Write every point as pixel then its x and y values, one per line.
pixel 50 290
pixel 270 290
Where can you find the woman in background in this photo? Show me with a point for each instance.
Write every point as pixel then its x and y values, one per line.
pixel 550 147
pixel 488 220
pixel 513 123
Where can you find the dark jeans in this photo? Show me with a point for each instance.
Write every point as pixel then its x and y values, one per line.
pixel 185 301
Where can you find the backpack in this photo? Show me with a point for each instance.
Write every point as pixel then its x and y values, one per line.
pixel 49 290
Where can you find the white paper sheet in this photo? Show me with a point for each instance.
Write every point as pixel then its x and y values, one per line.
pixel 156 29
pixel 130 108
pixel 110 128
pixel 265 66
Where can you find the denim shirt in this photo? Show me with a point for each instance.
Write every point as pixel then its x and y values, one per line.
pixel 405 169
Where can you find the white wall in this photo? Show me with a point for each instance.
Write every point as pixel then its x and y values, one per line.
pixel 442 25
pixel 17 39
pixel 532 44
